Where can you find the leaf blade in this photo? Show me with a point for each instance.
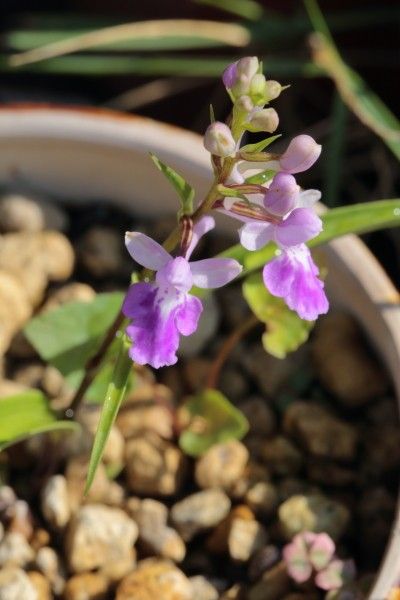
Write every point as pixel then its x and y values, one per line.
pixel 26 414
pixel 184 189
pixel 219 421
pixel 115 394
pixel 285 330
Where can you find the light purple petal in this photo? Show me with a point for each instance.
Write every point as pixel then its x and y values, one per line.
pixel 153 330
pixel 293 276
pixel 282 194
pixel 146 251
pixel 229 75
pixel 300 155
pixel 200 228
pixel 214 272
pixel 176 274
pixel 308 198
pixel 301 225
pixel 188 314
pixel 255 235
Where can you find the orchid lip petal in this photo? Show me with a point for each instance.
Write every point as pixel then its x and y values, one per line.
pixel 293 276
pixel 214 272
pixel 203 226
pixel 145 251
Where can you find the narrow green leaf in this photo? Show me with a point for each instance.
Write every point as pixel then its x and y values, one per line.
pixel 68 336
pixel 248 9
pixel 213 419
pixel 260 146
pixel 26 414
pixel 334 152
pixel 285 331
pixel 30 39
pixel 185 191
pixel 368 107
pixel 141 35
pixel 212 114
pixel 115 394
pixel 100 66
pixel 357 218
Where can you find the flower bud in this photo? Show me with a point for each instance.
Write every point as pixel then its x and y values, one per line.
pixel 248 67
pixel 300 155
pixel 258 90
pixel 265 119
pixel 218 140
pixel 272 89
pixel 238 77
pixel 282 195
pixel 244 103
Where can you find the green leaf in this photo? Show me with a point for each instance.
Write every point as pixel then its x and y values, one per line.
pixel 335 152
pixel 285 331
pixel 185 191
pixel 260 146
pixel 357 218
pixel 212 114
pixel 261 178
pixel 248 9
pixel 213 419
pixel 115 394
pixel 368 107
pixel 28 39
pixel 68 336
pixel 183 66
pixel 158 35
pixel 26 414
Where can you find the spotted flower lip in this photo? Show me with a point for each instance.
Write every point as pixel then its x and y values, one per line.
pixel 163 309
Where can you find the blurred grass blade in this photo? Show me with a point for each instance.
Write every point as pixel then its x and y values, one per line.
pixel 368 107
pixel 334 152
pixel 100 66
pixel 145 34
pixel 248 9
pixel 115 394
pixel 27 40
pixel 358 219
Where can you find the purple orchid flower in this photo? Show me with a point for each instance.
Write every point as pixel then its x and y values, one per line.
pixel 163 309
pixel 290 222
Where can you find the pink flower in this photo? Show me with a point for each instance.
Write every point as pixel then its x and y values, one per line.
pixel 164 309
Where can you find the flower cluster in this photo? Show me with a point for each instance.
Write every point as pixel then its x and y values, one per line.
pixel 311 554
pixel 278 210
